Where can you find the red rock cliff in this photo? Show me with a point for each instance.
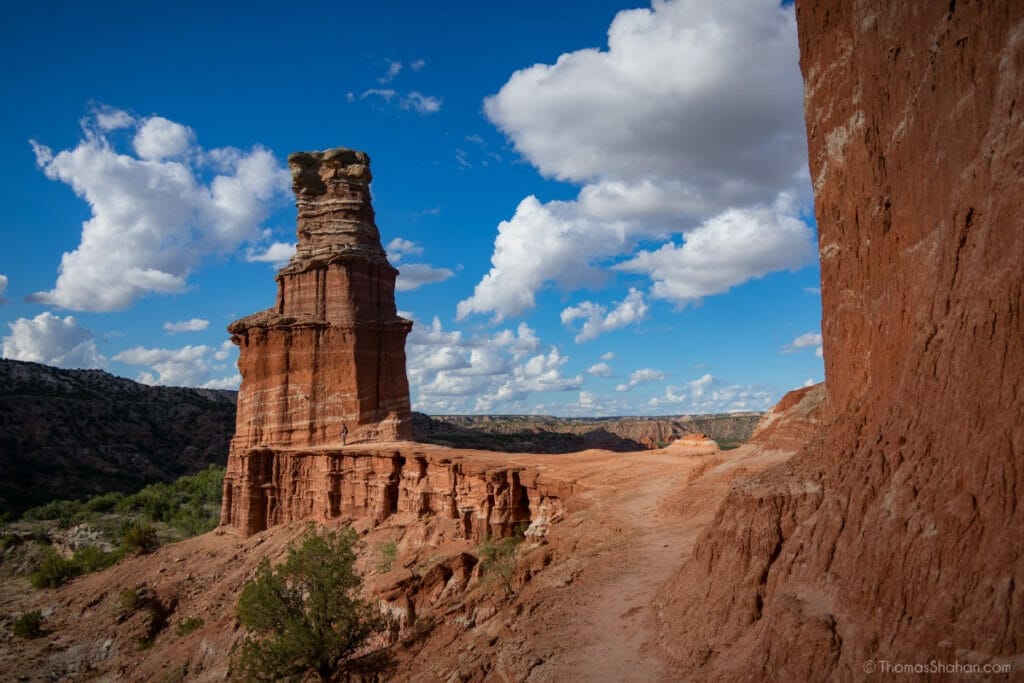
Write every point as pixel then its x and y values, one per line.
pixel 896 537
pixel 330 355
pixel 326 365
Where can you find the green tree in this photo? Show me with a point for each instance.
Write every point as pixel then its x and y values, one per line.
pixel 306 615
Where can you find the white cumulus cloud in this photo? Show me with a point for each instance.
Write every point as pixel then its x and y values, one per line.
pixel 805 341
pixel 450 372
pixel 159 138
pixel 708 394
pixel 413 275
pixel 600 370
pixel 399 248
pixel 641 376
pixel 694 112
pixel 187 366
pixel 598 320
pixel 155 217
pixel 193 325
pixel 230 382
pixel 52 340
pixel 276 254
pixel 725 251
pixel 3 288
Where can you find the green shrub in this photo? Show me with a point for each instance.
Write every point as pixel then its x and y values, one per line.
pixel 54 570
pixel 131 600
pixel 104 503
pixel 187 626
pixel 140 539
pixel 9 541
pixel 191 504
pixel 388 552
pixel 93 559
pixel 63 511
pixel 28 625
pixel 497 558
pixel 306 616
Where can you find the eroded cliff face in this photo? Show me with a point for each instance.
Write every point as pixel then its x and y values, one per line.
pixel 329 357
pixel 481 498
pixel 795 421
pixel 896 535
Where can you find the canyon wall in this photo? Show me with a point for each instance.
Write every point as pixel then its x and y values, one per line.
pixel 894 537
pixel 795 421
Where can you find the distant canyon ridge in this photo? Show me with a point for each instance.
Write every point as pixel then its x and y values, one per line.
pixel 68 434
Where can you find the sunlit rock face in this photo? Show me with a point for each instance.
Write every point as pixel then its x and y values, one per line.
pixel 895 535
pixel 329 358
pixel 325 366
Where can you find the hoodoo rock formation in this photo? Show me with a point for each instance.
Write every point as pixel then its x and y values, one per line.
pixel 329 358
pixel 895 537
pixel 324 388
pixel 326 365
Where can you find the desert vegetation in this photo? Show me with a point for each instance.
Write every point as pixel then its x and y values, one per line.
pixel 306 616
pixel 70 538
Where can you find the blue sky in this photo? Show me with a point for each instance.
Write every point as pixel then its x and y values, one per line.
pixel 598 208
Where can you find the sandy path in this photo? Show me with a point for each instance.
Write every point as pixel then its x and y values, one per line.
pixel 642 515
pixel 610 601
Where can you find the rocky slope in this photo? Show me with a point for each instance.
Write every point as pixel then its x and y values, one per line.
pixel 544 434
pixel 794 421
pixel 894 537
pixel 74 433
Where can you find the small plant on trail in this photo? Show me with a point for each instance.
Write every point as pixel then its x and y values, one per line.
pixel 305 616
pixel 28 625
pixel 388 553
pixel 131 600
pixel 92 559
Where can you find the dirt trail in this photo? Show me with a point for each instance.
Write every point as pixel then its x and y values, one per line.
pixel 633 538
pixel 615 627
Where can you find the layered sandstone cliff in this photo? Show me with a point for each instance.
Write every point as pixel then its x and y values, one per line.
pixel 329 357
pixel 324 385
pixel 324 367
pixel 483 499
pixel 896 536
